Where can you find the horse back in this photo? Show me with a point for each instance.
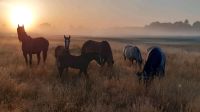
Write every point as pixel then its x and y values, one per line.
pixel 91 46
pixel 129 51
pixel 154 61
pixel 35 45
pixel 59 50
pixel 41 42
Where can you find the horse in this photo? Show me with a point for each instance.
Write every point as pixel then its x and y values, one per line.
pixel 162 64
pixel 154 66
pixel 67 41
pixel 102 48
pixel 133 53
pixel 64 60
pixel 61 48
pixel 32 45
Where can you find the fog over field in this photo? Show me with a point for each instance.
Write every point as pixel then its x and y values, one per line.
pixel 39 88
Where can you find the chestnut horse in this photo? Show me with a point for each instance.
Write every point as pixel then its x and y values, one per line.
pixel 32 45
pixel 103 49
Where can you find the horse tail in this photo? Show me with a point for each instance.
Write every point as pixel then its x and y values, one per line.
pixel 83 50
pixel 44 55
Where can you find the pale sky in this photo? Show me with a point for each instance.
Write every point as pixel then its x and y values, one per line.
pixel 77 15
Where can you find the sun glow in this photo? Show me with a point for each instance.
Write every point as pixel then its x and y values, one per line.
pixel 21 15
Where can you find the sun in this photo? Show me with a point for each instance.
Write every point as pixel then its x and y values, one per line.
pixel 21 15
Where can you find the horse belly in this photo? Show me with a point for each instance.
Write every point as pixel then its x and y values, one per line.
pixel 35 50
pixel 31 48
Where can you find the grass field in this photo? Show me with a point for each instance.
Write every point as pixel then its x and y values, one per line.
pixel 39 89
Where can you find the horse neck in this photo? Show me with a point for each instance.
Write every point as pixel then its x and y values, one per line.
pixel 140 57
pixel 26 38
pixel 67 43
pixel 90 57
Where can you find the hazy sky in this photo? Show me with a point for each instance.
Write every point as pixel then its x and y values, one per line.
pixel 98 14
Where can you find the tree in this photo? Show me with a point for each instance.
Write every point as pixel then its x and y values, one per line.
pixel 186 21
pixel 196 25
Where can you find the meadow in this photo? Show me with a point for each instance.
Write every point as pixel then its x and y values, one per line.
pixel 39 88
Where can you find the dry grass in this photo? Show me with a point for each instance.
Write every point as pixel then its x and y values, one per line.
pixel 39 89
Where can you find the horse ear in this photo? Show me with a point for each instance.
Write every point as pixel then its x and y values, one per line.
pixel 18 25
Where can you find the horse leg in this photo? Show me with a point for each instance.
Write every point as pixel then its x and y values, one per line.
pixel 80 72
pixel 103 62
pixel 44 56
pixel 124 57
pixel 30 59
pixel 86 74
pixel 140 66
pixel 60 69
pixel 38 57
pixel 66 69
pixel 136 66
pixel 25 56
pixel 131 60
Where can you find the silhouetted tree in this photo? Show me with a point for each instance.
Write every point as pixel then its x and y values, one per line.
pixel 179 25
pixel 196 25
pixel 186 21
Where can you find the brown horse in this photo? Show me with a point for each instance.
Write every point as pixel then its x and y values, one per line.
pixel 60 50
pixel 32 45
pixel 64 60
pixel 103 49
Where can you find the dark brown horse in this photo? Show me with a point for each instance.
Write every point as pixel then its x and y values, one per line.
pixel 64 60
pixel 60 49
pixel 103 49
pixel 32 45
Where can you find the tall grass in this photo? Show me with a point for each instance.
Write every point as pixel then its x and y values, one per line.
pixel 39 89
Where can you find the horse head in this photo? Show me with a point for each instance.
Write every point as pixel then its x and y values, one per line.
pixel 107 55
pixel 67 41
pixel 21 32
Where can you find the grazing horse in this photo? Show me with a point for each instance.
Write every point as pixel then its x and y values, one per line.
pixel 32 45
pixel 154 66
pixel 103 49
pixel 162 64
pixel 64 60
pixel 132 53
pixel 67 41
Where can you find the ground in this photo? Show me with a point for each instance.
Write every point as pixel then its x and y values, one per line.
pixel 39 88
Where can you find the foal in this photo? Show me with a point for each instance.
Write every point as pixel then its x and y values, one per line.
pixel 64 60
